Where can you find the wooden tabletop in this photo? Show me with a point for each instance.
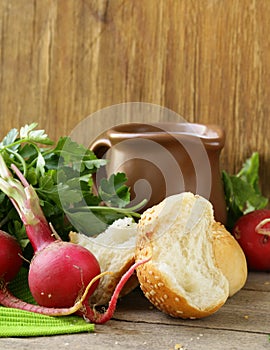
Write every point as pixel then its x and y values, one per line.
pixel 242 323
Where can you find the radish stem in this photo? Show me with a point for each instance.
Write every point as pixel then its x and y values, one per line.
pixel 26 202
pixel 100 318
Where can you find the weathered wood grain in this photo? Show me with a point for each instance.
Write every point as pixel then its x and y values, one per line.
pixel 207 60
pixel 242 323
pixel 143 336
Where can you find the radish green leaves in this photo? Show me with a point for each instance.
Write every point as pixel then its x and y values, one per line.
pixel 242 190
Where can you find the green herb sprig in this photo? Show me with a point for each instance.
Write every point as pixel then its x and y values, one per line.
pixel 63 176
pixel 242 191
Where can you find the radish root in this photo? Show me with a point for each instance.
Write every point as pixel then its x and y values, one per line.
pixel 9 300
pixel 96 317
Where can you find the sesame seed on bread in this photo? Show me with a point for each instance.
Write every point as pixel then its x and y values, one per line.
pixel 182 278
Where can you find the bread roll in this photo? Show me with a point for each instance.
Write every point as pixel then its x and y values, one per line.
pixel 196 263
pixel 230 258
pixel 115 251
pixel 182 278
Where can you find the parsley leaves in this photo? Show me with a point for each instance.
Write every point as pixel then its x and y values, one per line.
pixel 63 176
pixel 242 190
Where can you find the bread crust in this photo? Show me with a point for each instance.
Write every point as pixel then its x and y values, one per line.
pixel 106 287
pixel 230 258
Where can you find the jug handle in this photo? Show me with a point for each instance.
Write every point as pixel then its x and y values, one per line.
pixel 100 147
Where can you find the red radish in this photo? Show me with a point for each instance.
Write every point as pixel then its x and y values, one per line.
pixel 10 257
pixel 9 300
pixel 59 271
pixel 10 264
pixel 252 231
pixel 59 274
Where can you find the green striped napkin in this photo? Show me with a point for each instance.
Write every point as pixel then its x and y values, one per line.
pixel 19 323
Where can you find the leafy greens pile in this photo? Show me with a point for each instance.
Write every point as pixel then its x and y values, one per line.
pixel 62 175
pixel 242 191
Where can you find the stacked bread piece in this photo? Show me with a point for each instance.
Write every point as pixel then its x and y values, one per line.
pixel 115 252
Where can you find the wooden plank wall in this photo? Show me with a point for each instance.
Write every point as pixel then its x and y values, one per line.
pixel 208 60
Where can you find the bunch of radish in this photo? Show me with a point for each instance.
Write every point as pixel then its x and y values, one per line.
pixel 11 262
pixel 62 275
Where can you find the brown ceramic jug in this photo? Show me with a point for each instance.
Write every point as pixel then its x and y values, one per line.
pixel 161 159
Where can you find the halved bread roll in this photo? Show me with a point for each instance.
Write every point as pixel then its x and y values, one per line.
pixel 182 278
pixel 115 251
